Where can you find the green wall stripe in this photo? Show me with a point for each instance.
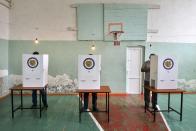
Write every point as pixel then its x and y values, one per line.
pixel 4 54
pixel 184 52
pixel 63 57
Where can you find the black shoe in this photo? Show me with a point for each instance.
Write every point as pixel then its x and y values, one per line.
pixel 84 109
pixel 33 106
pixel 95 109
pixel 147 105
pixel 45 107
pixel 155 108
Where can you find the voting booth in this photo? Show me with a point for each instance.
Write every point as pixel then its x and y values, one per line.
pixel 163 72
pixel 35 70
pixel 89 67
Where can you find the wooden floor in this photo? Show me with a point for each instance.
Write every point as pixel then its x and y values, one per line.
pixel 126 114
pixel 188 122
pixel 61 115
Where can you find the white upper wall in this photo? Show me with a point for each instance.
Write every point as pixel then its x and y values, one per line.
pixel 4 21
pixel 175 21
pixel 45 19
pixel 49 19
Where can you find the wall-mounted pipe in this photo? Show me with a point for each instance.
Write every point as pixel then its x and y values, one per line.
pixel 3 4
pixel 6 3
pixel 9 1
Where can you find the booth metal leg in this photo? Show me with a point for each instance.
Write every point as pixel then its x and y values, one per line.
pixel 40 104
pixel 108 101
pixel 168 102
pixel 12 101
pixel 154 113
pixel 21 100
pixel 80 106
pixel 181 106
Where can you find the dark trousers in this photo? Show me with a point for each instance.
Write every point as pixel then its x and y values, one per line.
pixel 94 100
pixel 146 94
pixel 154 100
pixel 44 97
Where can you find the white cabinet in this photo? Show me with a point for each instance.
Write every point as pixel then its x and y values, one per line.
pixel 35 70
pixel 89 67
pixel 163 72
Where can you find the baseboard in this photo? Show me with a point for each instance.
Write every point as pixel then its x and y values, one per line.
pixel 4 96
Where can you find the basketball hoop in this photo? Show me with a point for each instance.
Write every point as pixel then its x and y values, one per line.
pixel 116 36
pixel 115 29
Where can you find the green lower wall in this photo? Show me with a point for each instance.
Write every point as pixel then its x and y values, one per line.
pixel 184 52
pixel 63 58
pixel 4 54
pixel 4 45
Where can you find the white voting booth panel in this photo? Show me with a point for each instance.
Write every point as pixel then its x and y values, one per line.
pixel 163 72
pixel 89 67
pixel 35 70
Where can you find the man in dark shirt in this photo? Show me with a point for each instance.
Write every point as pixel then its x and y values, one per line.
pixel 43 93
pixel 146 68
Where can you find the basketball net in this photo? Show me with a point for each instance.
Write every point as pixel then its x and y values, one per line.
pixel 116 36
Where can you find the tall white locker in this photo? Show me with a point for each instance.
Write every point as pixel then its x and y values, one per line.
pixel 163 72
pixel 89 67
pixel 35 70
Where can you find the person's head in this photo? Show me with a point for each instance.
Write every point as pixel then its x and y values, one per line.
pixel 151 55
pixel 36 53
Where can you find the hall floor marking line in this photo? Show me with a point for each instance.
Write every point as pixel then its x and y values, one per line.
pixel 94 119
pixel 164 119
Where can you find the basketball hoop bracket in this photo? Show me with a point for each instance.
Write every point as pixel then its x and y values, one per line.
pixel 116 35
pixel 115 29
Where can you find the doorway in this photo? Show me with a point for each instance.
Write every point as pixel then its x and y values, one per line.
pixel 134 60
